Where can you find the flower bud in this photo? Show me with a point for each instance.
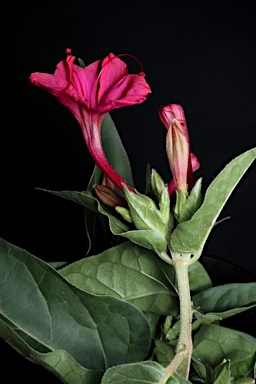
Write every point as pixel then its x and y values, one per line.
pixel 177 148
pixel 164 206
pixel 109 197
pixel 125 213
pixel 157 183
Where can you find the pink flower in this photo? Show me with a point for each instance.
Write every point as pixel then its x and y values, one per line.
pixel 89 93
pixel 182 161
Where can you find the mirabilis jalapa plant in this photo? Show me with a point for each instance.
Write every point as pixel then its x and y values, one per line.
pixel 139 307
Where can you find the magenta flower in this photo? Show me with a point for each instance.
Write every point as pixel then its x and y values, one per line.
pixel 182 161
pixel 89 93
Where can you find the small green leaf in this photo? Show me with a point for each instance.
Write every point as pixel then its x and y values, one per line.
pixel 190 237
pixel 203 369
pixel 130 273
pixel 163 353
pixel 244 368
pixel 222 373
pixel 177 379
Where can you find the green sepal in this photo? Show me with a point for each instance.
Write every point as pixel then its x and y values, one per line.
pixel 164 207
pixel 192 203
pixel 181 198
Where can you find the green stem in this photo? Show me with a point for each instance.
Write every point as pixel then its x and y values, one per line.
pixel 181 361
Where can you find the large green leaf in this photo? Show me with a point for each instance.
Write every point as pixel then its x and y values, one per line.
pixel 130 273
pixel 58 362
pixel 50 314
pixel 190 236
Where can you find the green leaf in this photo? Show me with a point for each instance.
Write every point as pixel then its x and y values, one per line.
pixel 189 237
pixel 222 373
pixel 244 369
pixel 145 372
pixel 226 297
pixel 129 273
pixel 213 343
pixel 177 379
pixel 114 149
pixel 199 280
pixel 58 362
pixel 163 353
pixel 149 239
pixel 50 314
pixel 95 178
pixel 245 380
pixel 203 370
pixel 87 200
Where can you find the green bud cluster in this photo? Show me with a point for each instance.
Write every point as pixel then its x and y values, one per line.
pixel 144 212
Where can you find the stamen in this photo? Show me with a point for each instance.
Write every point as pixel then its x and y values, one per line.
pixel 141 73
pixel 135 58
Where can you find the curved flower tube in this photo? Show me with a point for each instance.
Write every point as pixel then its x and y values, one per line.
pixel 182 162
pixel 89 93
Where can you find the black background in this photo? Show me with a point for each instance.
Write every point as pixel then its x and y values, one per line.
pixel 196 53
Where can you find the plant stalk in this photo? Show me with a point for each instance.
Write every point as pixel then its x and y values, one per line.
pixel 181 361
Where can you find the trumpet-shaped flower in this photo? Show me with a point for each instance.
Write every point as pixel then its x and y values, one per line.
pixel 182 162
pixel 89 93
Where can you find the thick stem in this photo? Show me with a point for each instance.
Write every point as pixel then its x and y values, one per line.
pixel 181 361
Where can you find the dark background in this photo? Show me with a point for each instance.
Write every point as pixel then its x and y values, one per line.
pixel 200 54
pixel 196 53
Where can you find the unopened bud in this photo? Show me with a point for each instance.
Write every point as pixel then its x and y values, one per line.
pixel 157 183
pixel 125 213
pixel 164 206
pixel 109 197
